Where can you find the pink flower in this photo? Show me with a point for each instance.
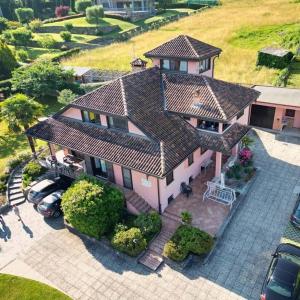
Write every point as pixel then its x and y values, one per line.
pixel 245 155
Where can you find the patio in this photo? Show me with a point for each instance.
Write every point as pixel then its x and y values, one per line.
pixel 207 215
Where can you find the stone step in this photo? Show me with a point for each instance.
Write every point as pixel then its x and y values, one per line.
pixel 13 191
pixel 172 216
pixel 16 176
pixel 16 196
pixel 138 203
pixel 16 180
pixel 151 259
pixel 17 201
pixel 14 185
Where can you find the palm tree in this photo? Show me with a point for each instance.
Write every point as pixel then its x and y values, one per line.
pixel 20 112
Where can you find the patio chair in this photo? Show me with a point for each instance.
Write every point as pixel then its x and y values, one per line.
pixel 218 193
pixel 186 189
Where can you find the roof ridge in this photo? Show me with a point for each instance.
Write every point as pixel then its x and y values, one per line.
pixel 123 96
pixel 191 46
pixel 214 96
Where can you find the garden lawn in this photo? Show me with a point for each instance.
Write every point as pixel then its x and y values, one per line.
pixel 294 78
pixel 19 288
pixel 34 53
pixel 77 38
pixel 218 26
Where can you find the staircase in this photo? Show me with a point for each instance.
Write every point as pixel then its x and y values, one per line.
pixel 137 202
pixel 153 256
pixel 15 195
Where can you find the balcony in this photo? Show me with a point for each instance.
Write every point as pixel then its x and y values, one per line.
pixel 68 165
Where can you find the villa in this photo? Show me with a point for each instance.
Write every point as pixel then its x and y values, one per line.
pixel 151 130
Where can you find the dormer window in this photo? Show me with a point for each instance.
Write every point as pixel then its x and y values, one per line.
pixel 208 125
pixel 90 117
pixel 204 65
pixel 117 123
pixel 174 65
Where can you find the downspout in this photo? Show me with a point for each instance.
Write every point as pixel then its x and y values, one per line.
pixel 158 194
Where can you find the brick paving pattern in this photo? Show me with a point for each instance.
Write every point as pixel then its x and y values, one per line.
pixel 236 270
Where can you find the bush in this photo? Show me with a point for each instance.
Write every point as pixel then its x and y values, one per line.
pixel 2 187
pixel 149 223
pixel 3 24
pixel 22 55
pixel 66 96
pixel 130 241
pixel 61 11
pixel 66 54
pixel 31 172
pixel 82 5
pixel 188 239
pixel 92 207
pixel 24 15
pixel 18 160
pixel 20 36
pixel 94 14
pixel 68 26
pixel 66 36
pixel 4 177
pixel 120 227
pixel 282 78
pixel 8 63
pixel 272 61
pixel 47 42
pixel 186 217
pixel 35 25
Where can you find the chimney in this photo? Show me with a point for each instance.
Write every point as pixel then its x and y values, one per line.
pixel 138 64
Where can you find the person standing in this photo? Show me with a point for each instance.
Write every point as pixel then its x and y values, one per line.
pixel 17 212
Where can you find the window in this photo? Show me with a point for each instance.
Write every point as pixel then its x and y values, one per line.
pixel 208 125
pixel 127 178
pixel 191 159
pixel 90 117
pixel 100 167
pixel 165 64
pixel 240 114
pixel 204 65
pixel 183 66
pixel 174 65
pixel 169 178
pixel 290 113
pixel 117 123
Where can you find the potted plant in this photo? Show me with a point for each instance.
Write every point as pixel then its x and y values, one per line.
pixel 186 217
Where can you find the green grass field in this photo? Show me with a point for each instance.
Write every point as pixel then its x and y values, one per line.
pixel 229 26
pixel 19 288
pixel 294 78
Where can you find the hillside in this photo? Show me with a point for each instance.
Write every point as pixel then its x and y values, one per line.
pixel 239 27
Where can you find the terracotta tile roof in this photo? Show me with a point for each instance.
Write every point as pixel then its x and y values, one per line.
pixel 225 142
pixel 184 47
pixel 205 97
pixel 138 97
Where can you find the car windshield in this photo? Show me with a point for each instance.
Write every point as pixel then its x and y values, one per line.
pixel 45 205
pixel 280 288
pixel 297 214
pixel 290 257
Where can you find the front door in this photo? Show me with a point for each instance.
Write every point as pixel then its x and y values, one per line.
pixel 127 178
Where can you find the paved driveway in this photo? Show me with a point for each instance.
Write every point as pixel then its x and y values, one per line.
pixel 236 271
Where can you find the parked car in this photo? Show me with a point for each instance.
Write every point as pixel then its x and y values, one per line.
pixel 295 216
pixel 282 281
pixel 50 206
pixel 46 187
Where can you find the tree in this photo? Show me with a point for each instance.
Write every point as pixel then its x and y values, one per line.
pixel 66 96
pixel 92 207
pixel 20 112
pixel 94 14
pixel 19 37
pixel 24 15
pixel 82 5
pixel 61 11
pixel 3 24
pixel 43 78
pixel 8 61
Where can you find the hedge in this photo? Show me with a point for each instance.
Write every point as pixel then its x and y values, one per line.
pixel 53 20
pixel 149 224
pixel 65 54
pixel 188 239
pixel 273 61
pixel 31 172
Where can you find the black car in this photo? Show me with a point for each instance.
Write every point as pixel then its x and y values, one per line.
pixel 283 279
pixel 50 205
pixel 295 216
pixel 47 186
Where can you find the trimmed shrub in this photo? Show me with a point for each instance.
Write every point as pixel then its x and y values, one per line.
pixel 3 24
pixel 47 42
pixel 188 239
pixel 61 11
pixel 149 223
pixel 130 241
pixel 13 24
pixel 272 61
pixel 186 217
pixel 68 26
pixel 92 207
pixel 20 36
pixel 8 63
pixel 82 5
pixel 35 25
pixel 66 36
pixel 22 55
pixel 94 14
pixel 31 172
pixel 66 96
pixel 24 15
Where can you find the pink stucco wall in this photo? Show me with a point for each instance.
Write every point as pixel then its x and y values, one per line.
pixel 181 174
pixel 244 119
pixel 72 113
pixel 297 119
pixel 279 114
pixel 118 174
pixel 133 129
